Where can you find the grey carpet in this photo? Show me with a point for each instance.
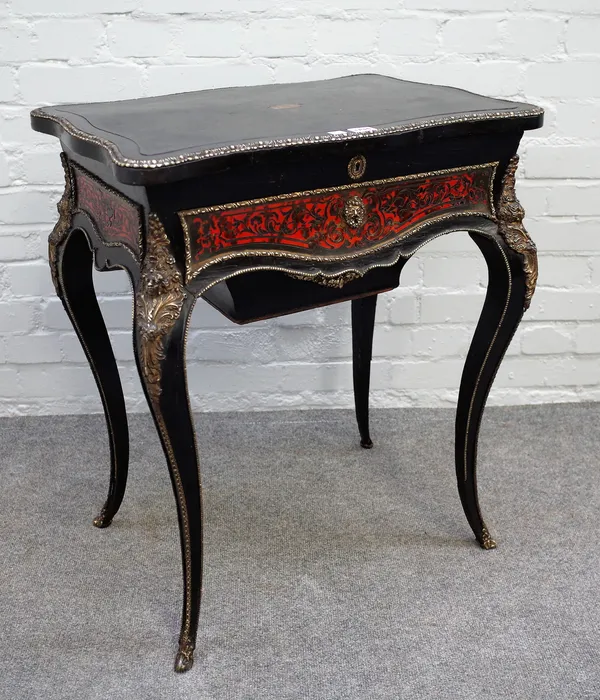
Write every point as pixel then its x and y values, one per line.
pixel 331 572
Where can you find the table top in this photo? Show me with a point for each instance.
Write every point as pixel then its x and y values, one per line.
pixel 163 132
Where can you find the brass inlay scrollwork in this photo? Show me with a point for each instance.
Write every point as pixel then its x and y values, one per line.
pixel 66 207
pixel 194 268
pixel 159 302
pixel 510 221
pixel 117 218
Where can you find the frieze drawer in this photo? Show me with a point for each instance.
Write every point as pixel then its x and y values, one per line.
pixel 334 223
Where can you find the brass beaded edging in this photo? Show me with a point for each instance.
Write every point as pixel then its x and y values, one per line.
pixel 249 252
pixel 270 144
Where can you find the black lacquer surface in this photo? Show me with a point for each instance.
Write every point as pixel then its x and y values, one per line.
pixel 134 134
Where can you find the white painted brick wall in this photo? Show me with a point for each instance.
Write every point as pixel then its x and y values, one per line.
pixel 544 51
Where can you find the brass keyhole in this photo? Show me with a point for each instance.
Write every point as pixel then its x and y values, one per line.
pixel 357 167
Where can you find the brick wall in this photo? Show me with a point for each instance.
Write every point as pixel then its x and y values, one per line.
pixel 544 51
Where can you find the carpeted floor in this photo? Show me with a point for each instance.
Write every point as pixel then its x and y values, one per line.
pixel 332 572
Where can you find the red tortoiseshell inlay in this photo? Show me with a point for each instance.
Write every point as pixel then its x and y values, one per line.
pixel 313 223
pixel 117 219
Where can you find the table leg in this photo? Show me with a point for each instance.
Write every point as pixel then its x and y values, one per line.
pixel 500 317
pixel 163 309
pixel 72 259
pixel 363 323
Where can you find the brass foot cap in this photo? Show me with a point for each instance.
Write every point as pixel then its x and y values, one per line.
pixel 367 444
pixel 184 659
pixel 485 541
pixel 102 520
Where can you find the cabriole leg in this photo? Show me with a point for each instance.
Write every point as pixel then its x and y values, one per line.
pixel 162 311
pixel 363 323
pixel 71 260
pixel 512 264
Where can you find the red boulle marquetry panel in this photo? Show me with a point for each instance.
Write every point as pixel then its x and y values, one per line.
pixel 319 223
pixel 117 219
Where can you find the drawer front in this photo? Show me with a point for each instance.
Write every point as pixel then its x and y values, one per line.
pixel 334 223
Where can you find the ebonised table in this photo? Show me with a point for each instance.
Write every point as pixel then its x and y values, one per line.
pixel 268 200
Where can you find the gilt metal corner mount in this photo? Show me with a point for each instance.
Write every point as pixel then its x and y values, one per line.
pixel 510 220
pixel 159 301
pixel 66 207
